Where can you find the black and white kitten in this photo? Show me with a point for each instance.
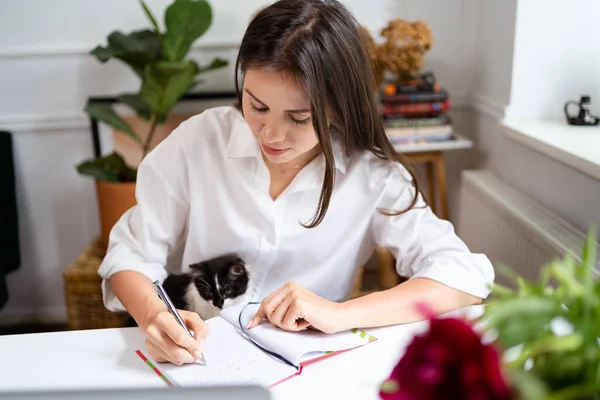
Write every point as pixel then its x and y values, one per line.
pixel 209 286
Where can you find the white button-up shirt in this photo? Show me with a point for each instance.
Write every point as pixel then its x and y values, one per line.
pixel 204 191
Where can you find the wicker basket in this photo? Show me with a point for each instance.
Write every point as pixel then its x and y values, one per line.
pixel 83 293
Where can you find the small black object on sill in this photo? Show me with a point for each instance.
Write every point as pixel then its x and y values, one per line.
pixel 583 118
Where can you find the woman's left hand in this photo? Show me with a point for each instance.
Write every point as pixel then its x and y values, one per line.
pixel 294 308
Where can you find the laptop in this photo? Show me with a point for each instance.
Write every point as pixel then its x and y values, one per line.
pixel 175 393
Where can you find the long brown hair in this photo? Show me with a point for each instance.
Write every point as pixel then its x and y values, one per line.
pixel 318 41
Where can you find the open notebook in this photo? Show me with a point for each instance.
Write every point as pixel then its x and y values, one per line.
pixel 275 355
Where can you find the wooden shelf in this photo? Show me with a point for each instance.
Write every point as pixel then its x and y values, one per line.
pixel 458 143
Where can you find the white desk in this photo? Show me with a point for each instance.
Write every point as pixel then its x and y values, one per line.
pixel 106 359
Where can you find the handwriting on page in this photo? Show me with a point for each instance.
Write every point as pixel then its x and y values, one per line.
pixel 231 359
pixel 227 369
pixel 231 369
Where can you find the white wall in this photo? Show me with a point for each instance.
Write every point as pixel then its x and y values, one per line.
pixel 487 30
pixel 47 76
pixel 557 57
pixel 494 22
pixel 568 192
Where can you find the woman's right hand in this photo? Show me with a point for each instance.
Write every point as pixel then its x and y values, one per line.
pixel 167 341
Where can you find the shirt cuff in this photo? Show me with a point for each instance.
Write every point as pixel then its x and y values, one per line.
pixel 475 279
pixel 154 272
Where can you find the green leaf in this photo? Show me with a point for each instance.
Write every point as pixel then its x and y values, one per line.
pixel 528 386
pixel 186 21
pixel 502 291
pixel 512 334
pixel 104 54
pixel 215 64
pixel 150 17
pixel 560 368
pixel 597 379
pixel 577 392
pixel 165 82
pixel 111 168
pixel 137 49
pixel 138 104
pixel 160 118
pixel 155 25
pixel 564 273
pixel 589 261
pixel 549 344
pixel 104 112
pixel 527 288
pixel 589 251
pixel 498 312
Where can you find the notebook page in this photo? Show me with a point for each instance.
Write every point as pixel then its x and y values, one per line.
pixel 231 359
pixel 295 346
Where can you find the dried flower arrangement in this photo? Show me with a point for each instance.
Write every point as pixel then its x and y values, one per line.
pixel 403 50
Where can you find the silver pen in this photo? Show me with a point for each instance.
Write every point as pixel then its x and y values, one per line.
pixel 160 291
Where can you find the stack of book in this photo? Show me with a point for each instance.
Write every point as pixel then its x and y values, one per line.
pixel 415 110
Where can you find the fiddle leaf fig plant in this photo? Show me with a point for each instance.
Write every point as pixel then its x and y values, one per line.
pixel 158 58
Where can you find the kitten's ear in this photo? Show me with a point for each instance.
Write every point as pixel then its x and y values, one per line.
pixel 236 271
pixel 197 267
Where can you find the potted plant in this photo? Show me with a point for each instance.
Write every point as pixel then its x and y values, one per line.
pixel 543 342
pixel 550 328
pixel 158 58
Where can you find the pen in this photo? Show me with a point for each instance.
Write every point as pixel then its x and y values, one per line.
pixel 160 291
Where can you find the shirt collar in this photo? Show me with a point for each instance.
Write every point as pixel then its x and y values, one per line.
pixel 243 144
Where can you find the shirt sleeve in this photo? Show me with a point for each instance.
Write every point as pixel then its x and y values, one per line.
pixel 424 245
pixel 145 235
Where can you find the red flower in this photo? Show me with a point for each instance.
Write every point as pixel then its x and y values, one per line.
pixel 449 361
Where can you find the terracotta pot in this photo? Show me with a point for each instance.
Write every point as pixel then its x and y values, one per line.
pixel 114 198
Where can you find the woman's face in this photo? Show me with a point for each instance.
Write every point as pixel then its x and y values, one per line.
pixel 277 110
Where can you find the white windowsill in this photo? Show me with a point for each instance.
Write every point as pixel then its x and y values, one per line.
pixel 575 146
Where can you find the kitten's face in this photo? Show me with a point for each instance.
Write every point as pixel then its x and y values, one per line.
pixel 220 278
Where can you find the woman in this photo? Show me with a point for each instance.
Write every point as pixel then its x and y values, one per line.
pixel 301 182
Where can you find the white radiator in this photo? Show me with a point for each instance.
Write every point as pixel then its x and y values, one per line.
pixel 512 228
